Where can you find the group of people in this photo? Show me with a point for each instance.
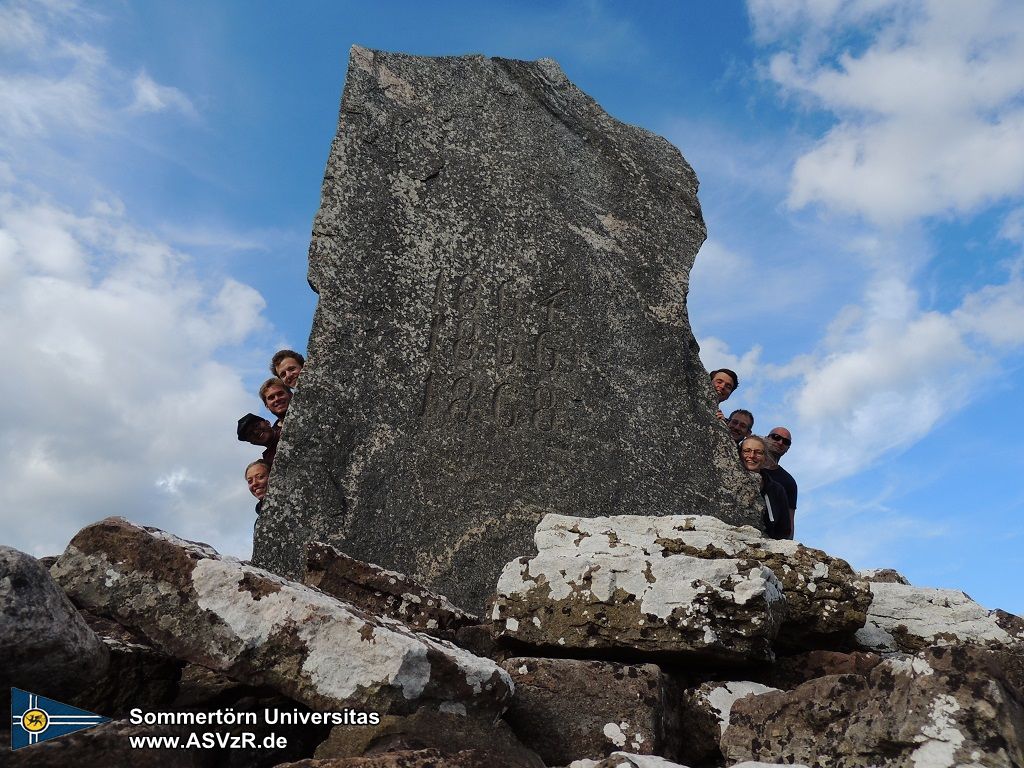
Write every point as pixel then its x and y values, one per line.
pixel 761 456
pixel 276 394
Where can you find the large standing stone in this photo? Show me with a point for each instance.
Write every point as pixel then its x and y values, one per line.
pixel 262 629
pixel 501 331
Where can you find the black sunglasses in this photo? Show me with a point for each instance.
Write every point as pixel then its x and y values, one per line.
pixel 780 438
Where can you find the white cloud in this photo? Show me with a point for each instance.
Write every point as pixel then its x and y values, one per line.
pixel 150 96
pixel 117 400
pixel 995 313
pixel 1013 226
pixel 929 113
pixel 117 403
pixel 888 373
pixel 54 83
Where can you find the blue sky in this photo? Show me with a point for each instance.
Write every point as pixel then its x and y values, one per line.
pixel 862 177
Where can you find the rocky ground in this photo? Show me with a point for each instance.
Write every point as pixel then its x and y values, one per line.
pixel 628 641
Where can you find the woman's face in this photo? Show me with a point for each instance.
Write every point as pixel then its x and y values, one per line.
pixel 752 454
pixel 257 476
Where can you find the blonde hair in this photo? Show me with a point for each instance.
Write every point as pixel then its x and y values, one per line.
pixel 767 462
pixel 253 464
pixel 273 381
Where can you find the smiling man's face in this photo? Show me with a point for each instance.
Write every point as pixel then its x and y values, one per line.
pixel 723 385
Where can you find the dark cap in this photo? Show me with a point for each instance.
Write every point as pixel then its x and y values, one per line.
pixel 246 423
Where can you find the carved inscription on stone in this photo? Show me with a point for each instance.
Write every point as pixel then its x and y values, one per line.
pixel 500 355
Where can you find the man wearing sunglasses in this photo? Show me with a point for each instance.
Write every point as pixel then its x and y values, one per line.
pixel 778 442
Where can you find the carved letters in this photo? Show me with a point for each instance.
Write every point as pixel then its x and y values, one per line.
pixel 499 356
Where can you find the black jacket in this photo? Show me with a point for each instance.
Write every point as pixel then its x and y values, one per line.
pixel 776 502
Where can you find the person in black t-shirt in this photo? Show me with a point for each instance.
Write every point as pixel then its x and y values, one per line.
pixel 754 455
pixel 778 441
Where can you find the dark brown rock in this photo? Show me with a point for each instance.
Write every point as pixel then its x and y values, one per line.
pixel 259 628
pixel 883 576
pixel 566 709
pixel 479 639
pixel 704 714
pixel 418 758
pixel 946 706
pixel 202 688
pixel 501 328
pixel 791 671
pixel 448 733
pixel 383 593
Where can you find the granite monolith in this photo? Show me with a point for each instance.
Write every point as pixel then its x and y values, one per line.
pixel 501 329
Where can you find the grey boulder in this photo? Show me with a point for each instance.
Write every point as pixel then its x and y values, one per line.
pixel 259 628
pixel 501 328
pixel 45 644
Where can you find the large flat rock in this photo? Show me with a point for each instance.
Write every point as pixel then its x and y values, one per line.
pixel 676 584
pixel 904 618
pixel 501 329
pixel 614 586
pixel 383 592
pixel 262 629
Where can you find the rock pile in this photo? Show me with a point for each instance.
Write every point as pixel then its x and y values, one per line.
pixel 626 641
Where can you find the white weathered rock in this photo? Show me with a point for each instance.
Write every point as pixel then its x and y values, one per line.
pixel 610 582
pixel 675 584
pixel 626 760
pixel 906 618
pixel 260 628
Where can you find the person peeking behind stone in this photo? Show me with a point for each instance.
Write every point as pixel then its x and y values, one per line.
pixel 277 396
pixel 740 422
pixel 257 476
pixel 724 382
pixel 779 440
pixel 258 431
pixel 287 364
pixel 755 458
